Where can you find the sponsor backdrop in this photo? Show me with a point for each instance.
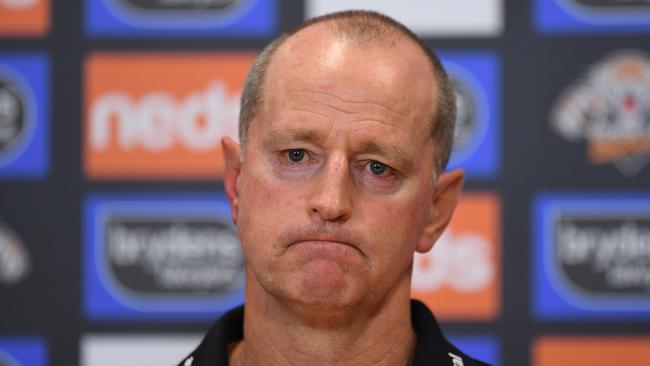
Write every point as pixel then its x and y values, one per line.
pixel 116 246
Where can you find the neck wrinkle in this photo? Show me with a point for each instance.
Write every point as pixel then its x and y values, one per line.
pixel 276 334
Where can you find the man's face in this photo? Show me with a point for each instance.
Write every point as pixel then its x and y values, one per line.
pixel 336 189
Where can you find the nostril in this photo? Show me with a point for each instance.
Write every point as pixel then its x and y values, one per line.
pixel 331 205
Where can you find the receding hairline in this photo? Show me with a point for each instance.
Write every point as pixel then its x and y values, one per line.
pixel 363 29
pixel 364 42
pixel 346 30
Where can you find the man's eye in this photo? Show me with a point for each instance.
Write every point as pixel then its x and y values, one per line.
pixel 377 168
pixel 296 155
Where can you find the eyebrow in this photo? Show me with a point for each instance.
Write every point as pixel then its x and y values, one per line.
pixel 394 152
pixel 367 146
pixel 294 135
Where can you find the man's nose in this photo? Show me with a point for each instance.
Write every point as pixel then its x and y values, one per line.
pixel 331 190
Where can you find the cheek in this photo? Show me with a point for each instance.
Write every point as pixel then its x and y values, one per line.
pixel 273 195
pixel 262 201
pixel 403 213
pixel 397 224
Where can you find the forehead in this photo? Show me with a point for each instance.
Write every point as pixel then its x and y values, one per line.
pixel 395 76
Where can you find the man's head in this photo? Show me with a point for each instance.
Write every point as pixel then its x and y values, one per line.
pixel 365 29
pixel 335 191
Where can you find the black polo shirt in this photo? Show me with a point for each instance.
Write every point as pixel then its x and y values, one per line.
pixel 431 347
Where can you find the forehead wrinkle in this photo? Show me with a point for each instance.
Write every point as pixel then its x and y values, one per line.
pixel 352 102
pixel 363 117
pixel 305 110
pixel 354 116
pixel 369 119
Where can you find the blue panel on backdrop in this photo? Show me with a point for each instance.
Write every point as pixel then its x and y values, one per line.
pixel 21 351
pixel 591 257
pixel 163 257
pixel 483 348
pixel 24 115
pixel 476 77
pixel 157 18
pixel 592 16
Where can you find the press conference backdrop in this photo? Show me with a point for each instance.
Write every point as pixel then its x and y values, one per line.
pixel 116 246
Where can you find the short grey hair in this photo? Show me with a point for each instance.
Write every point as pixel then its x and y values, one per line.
pixel 364 28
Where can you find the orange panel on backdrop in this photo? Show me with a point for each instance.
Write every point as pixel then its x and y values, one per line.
pixel 24 17
pixel 459 279
pixel 151 115
pixel 591 350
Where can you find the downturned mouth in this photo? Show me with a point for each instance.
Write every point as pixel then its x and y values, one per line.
pixel 324 244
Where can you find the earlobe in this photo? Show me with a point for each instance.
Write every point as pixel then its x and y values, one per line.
pixel 231 151
pixel 445 197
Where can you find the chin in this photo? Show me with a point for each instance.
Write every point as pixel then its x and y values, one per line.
pixel 326 294
pixel 316 283
pixel 306 292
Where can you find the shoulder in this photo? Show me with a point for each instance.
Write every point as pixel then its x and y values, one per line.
pixel 213 349
pixel 432 347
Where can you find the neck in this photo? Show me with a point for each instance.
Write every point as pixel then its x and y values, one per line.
pixel 367 334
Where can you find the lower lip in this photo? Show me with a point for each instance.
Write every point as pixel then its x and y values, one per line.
pixel 324 248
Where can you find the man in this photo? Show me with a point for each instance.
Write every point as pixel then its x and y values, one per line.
pixel 345 129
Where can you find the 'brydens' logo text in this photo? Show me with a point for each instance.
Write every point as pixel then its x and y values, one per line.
pixel 174 255
pixel 592 256
pixel 162 257
pixel 459 278
pixel 160 115
pixel 610 108
pixel 607 255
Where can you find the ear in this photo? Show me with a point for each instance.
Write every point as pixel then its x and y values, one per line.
pixel 445 197
pixel 231 174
